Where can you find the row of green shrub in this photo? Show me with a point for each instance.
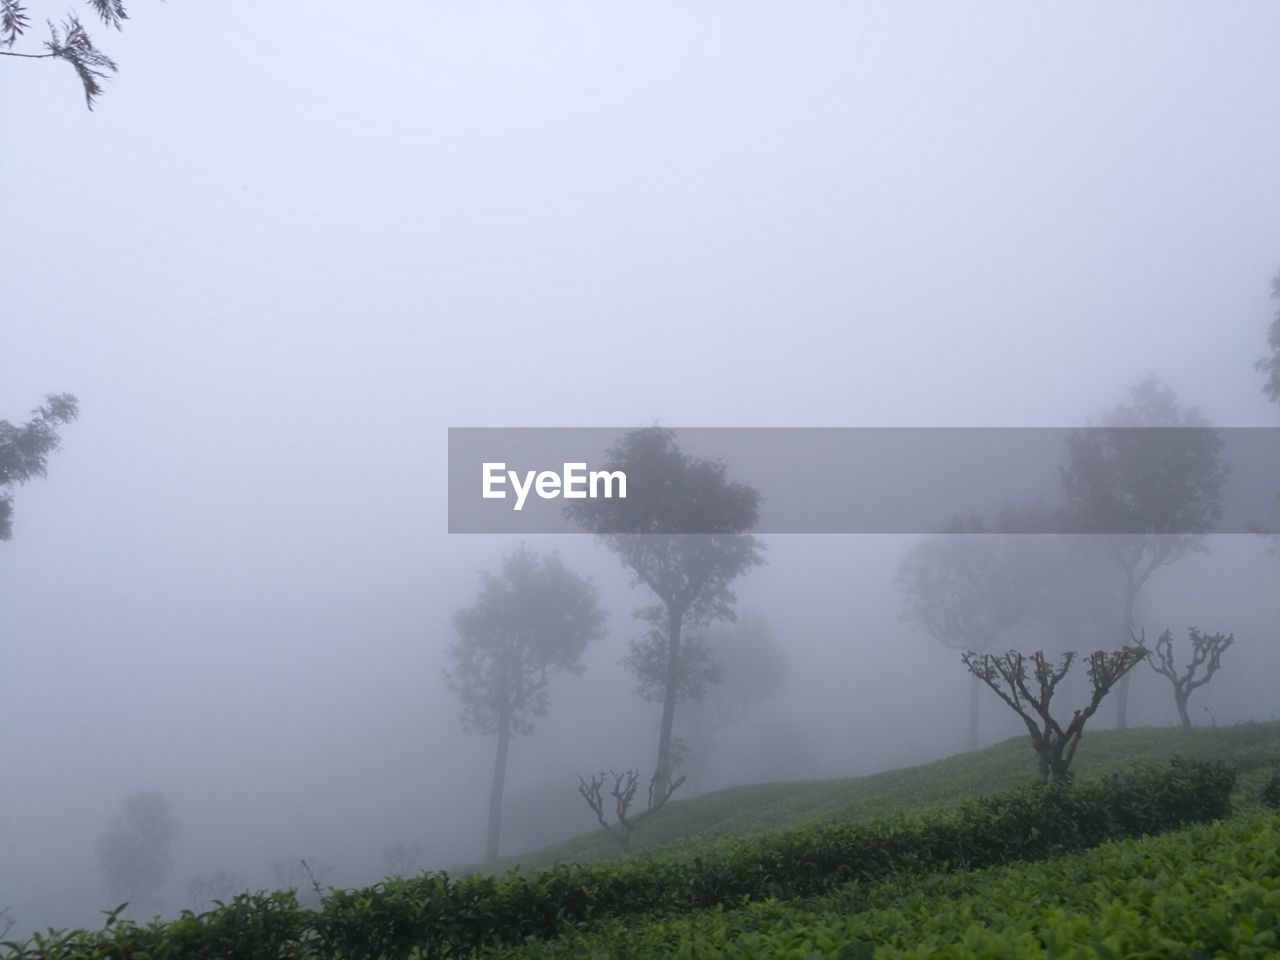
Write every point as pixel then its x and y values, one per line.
pixel 1206 891
pixel 435 915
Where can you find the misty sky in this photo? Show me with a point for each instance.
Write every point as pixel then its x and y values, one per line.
pixel 291 247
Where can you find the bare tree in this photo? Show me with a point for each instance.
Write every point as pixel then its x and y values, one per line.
pixel 403 859
pixel 6 921
pixel 1206 652
pixel 217 887
pixel 1029 697
pixel 623 793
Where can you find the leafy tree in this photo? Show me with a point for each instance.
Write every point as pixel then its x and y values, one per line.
pixel 24 450
pixel 1271 365
pixel 1030 697
pixel 532 619
pixel 1206 652
pixel 1148 495
pixel 68 41
pixel 134 853
pixel 689 573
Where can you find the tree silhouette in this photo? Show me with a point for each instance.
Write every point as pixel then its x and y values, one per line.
pixel 681 532
pixel 24 450
pixel 1206 652
pixel 134 853
pixel 1147 485
pixel 1030 696
pixel 68 41
pixel 533 618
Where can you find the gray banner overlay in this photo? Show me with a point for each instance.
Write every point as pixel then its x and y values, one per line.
pixel 844 480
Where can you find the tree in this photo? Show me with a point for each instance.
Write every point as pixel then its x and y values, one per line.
pixel 623 793
pixel 220 886
pixel 750 667
pixel 1206 652
pixel 134 853
pixel 961 589
pixel 1271 365
pixel 403 859
pixel 24 450
pixel 532 619
pixel 1148 495
pixel 68 41
pixel 1055 745
pixel 689 572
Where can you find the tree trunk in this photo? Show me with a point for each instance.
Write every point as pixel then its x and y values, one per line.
pixel 662 775
pixel 495 792
pixel 1183 715
pixel 1122 688
pixel 975 688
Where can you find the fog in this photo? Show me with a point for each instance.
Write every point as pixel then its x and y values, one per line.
pixel 289 249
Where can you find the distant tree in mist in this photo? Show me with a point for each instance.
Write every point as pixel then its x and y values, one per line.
pixel 533 618
pixel 689 574
pixel 68 41
pixel 1027 685
pixel 1270 364
pixel 134 852
pixel 752 668
pixel 25 449
pixel 1164 485
pixel 1205 661
pixel 963 589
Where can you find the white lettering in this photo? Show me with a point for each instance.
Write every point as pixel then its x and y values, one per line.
pixel 574 483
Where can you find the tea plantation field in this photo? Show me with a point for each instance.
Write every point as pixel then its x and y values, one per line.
pixel 1163 847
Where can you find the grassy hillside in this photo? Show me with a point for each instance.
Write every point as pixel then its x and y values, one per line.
pixel 689 827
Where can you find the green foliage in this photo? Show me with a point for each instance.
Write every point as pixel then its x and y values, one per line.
pixel 25 450
pixel 1271 791
pixel 1206 891
pixel 69 42
pixel 696 827
pixel 435 915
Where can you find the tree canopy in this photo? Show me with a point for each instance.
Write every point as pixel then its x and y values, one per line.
pixel 68 41
pixel 533 618
pixel 690 571
pixel 1270 365
pixel 25 449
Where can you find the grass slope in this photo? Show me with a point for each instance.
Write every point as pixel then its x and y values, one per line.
pixel 689 827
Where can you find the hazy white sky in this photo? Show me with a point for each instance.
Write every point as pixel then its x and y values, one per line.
pixel 291 246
